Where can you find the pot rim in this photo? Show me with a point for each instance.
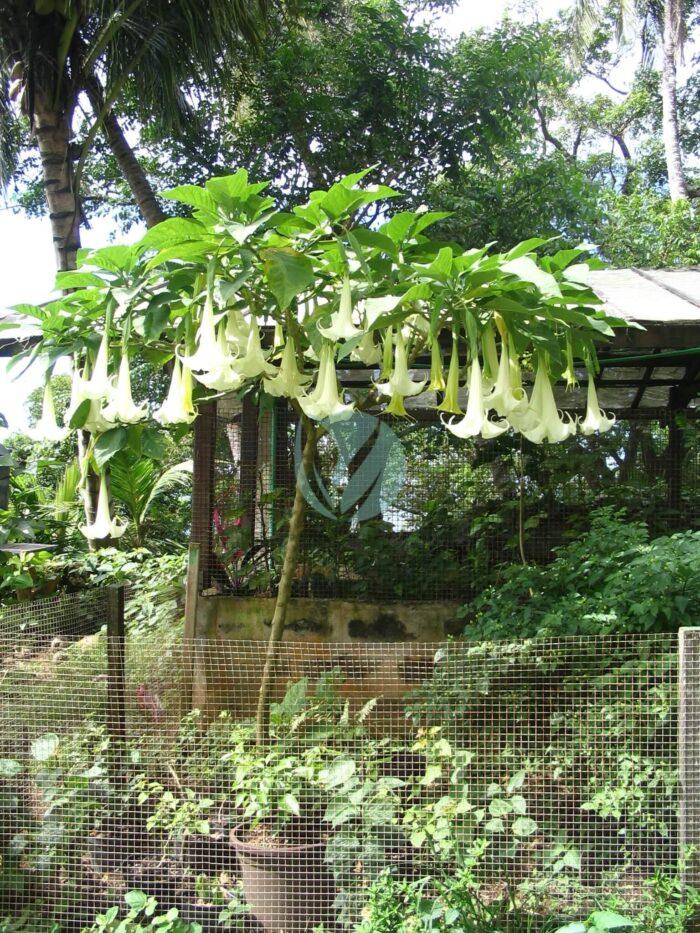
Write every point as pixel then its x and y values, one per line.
pixel 250 848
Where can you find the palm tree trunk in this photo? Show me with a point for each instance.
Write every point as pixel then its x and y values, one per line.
pixel 284 590
pixel 672 42
pixel 52 131
pixel 131 169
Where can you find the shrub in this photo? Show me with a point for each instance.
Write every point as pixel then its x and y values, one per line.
pixel 611 579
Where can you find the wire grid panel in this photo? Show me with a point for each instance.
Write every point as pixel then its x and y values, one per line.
pixel 29 626
pixel 462 508
pixel 545 768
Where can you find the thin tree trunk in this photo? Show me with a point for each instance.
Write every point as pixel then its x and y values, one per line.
pixel 284 590
pixel 672 40
pixel 52 131
pixel 134 175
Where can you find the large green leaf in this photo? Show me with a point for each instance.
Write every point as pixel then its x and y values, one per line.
pixel 287 272
pixel 110 443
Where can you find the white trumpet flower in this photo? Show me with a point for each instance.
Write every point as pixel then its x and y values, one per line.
pixel 103 526
pixel 223 378
pixel 491 364
pixel 367 351
pixel 209 354
pixel 98 385
pixel 548 424
pixel 595 420
pixel 47 428
pixel 237 330
pixel 400 383
pixel 324 401
pixel 121 407
pixel 177 407
pixel 475 420
pixel 288 381
pixel 341 326
pixel 254 362
pixel 96 423
pixel 506 396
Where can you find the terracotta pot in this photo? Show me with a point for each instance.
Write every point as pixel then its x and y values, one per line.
pixel 287 887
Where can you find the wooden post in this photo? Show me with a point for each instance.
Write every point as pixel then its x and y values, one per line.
pixel 689 754
pixel 674 467
pixel 249 464
pixel 203 487
pixel 189 634
pixel 116 680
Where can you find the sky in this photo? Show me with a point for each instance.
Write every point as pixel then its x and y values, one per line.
pixel 27 261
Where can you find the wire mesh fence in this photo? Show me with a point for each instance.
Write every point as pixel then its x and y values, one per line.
pixel 458 509
pixel 545 770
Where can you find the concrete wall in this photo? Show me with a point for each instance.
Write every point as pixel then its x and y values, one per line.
pixel 327 620
pixel 322 635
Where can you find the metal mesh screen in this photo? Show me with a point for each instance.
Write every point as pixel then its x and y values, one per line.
pixel 546 769
pixel 460 509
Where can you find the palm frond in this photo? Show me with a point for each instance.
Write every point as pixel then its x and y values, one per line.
pixel 174 476
pixel 66 491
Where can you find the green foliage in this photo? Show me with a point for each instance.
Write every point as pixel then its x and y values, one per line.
pixel 138 482
pixel 141 915
pixel 611 579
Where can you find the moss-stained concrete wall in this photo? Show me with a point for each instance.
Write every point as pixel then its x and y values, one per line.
pixel 324 635
pixel 327 620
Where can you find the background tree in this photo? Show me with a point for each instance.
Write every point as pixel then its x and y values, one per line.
pixel 54 52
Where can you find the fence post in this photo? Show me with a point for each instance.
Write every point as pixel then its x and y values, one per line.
pixel 689 753
pixel 190 630
pixel 116 679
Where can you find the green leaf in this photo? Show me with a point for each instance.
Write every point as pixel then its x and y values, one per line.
pixel 137 900
pixel 527 269
pixel 156 317
pixel 192 195
pixel 428 218
pixel 153 444
pixel 524 826
pixel 441 266
pixel 290 803
pixel 608 920
pixel 109 443
pixel 572 859
pixel 45 746
pixel 527 246
pixel 66 280
pixel 80 415
pixel 338 773
pixel 287 272
pixel 171 232
pixel 9 767
pixel 500 807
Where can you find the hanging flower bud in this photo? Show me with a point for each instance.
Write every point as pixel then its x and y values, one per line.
pixel 46 428
pixel 288 381
pixel 98 385
pixel 177 408
pixel 121 407
pixel 491 365
pixel 324 402
pixel 437 378
pixel 475 421
pixel 103 526
pixel 450 402
pixel 341 326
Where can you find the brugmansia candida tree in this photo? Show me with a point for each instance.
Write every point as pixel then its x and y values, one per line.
pixel 244 298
